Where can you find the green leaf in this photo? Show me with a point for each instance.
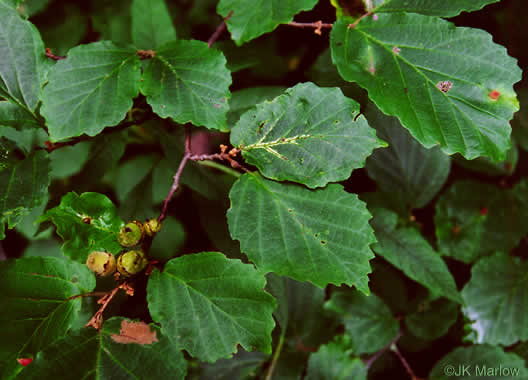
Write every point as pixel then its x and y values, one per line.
pixel 188 82
pixel 389 284
pixel 23 183
pixel 17 117
pixel 333 362
pixel 405 167
pixel 250 20
pixel 520 121
pixel 91 89
pixel 489 167
pixel 437 86
pixel 50 247
pixel 24 65
pixel 151 24
pixel 90 354
pixel 309 135
pixel 300 311
pixel 87 223
pixel 433 319
pixel 211 304
pixel 242 365
pixel 368 320
pixel 247 98
pixel 479 361
pixel 65 29
pixel 131 173
pixel 407 250
pixel 36 303
pixel 113 20
pixel 321 236
pixel 168 241
pixel 475 219
pixel 29 227
pixel 448 8
pixel 29 8
pixel 495 300
pixel 69 160
pixel 106 151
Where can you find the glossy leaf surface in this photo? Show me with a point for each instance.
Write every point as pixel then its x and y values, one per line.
pixel 439 87
pixel 86 222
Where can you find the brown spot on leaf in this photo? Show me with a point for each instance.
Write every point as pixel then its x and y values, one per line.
pixel 396 50
pixel 444 86
pixel 135 332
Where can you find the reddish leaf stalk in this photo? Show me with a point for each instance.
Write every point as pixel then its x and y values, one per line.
pixel 218 30
pixel 354 24
pixel 404 362
pixel 97 320
pixel 373 358
pixel 49 54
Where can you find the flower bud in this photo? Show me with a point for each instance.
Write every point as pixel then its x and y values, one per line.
pixel 152 227
pixel 101 263
pixel 131 262
pixel 131 234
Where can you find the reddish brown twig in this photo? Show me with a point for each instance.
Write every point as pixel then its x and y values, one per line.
pixel 223 155
pixel 373 358
pixel 404 362
pixel 49 54
pixel 219 30
pixel 318 25
pixel 188 155
pixel 176 183
pixel 97 320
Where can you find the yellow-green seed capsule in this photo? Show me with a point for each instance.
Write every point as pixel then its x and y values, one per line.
pixel 131 262
pixel 152 227
pixel 131 234
pixel 101 263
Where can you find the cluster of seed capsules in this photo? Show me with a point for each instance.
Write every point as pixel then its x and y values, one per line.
pixel 129 262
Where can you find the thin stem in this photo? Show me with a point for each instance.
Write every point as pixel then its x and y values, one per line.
pixel 91 294
pixel 49 54
pixel 318 25
pixel 223 155
pixel 219 30
pixel 220 167
pixel 276 355
pixel 373 358
pixel 354 24
pixel 177 176
pixel 408 368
